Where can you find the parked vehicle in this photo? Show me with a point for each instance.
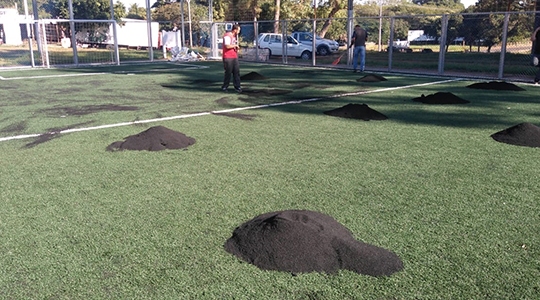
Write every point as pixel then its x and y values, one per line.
pixel 324 46
pixel 274 44
pixel 400 46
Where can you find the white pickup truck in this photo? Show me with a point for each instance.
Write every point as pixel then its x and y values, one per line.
pixel 324 46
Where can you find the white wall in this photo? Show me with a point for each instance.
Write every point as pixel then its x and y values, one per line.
pixel 10 20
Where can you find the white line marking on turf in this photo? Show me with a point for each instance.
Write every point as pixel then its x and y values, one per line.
pixel 18 137
pixel 189 67
pixel 53 76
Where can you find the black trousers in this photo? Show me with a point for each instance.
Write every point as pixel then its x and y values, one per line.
pixel 232 67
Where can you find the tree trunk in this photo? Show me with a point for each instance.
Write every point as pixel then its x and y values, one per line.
pixel 276 16
pixel 328 21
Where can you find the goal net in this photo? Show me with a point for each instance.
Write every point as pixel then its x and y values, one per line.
pixel 65 42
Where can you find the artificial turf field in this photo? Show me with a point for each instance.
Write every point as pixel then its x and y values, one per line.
pixel 429 183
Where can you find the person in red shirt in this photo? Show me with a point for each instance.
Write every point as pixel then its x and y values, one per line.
pixel 230 59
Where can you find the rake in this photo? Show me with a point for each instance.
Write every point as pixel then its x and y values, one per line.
pixel 335 62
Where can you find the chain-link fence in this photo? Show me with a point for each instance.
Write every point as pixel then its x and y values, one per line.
pixel 481 45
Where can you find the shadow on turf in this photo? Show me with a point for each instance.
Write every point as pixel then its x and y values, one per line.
pixel 273 87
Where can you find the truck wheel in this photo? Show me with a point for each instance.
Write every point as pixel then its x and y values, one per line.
pixel 306 55
pixel 323 51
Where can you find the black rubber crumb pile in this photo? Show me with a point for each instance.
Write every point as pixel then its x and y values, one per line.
pixel 371 78
pixel 440 98
pixel 495 85
pixel 356 111
pixel 301 241
pixel 524 134
pixel 252 76
pixel 153 139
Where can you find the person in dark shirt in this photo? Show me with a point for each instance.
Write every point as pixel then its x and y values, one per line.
pixel 359 39
pixel 535 38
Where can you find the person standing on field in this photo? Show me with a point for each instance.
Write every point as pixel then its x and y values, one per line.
pixel 359 39
pixel 535 38
pixel 230 59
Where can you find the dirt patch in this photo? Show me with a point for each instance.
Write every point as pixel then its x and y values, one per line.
pixel 300 241
pixel 524 134
pixel 153 139
pixel 356 111
pixel 17 127
pixel 222 100
pixel 371 78
pixel 495 85
pixel 237 116
pixel 266 92
pixel 252 76
pixel 173 86
pixel 87 109
pixel 440 98
pixel 42 138
pixel 301 85
pixel 53 133
pixel 202 81
pixel 306 72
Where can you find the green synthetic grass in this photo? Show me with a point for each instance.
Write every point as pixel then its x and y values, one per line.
pixel 78 222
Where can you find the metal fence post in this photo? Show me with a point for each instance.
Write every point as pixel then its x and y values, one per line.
pixel 284 42
pixel 503 45
pixel 113 18
pixel 214 41
pixel 256 38
pixel 314 42
pixel 391 44
pixel 349 38
pixel 116 50
pixel 442 43
pixel 73 34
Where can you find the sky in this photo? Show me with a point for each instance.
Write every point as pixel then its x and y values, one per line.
pixel 142 3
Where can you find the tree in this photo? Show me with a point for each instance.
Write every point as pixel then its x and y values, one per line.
pixel 82 9
pixel 171 12
pixel 12 4
pixel 136 12
pixel 332 7
pixel 503 5
pixel 489 29
pixel 445 3
pixel 277 10
pixel 19 4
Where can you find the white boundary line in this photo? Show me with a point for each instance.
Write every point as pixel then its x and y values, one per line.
pixel 18 137
pixel 187 67
pixel 53 76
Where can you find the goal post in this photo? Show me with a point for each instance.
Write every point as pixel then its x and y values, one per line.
pixel 95 41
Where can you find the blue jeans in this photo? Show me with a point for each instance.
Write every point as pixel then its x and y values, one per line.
pixel 359 51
